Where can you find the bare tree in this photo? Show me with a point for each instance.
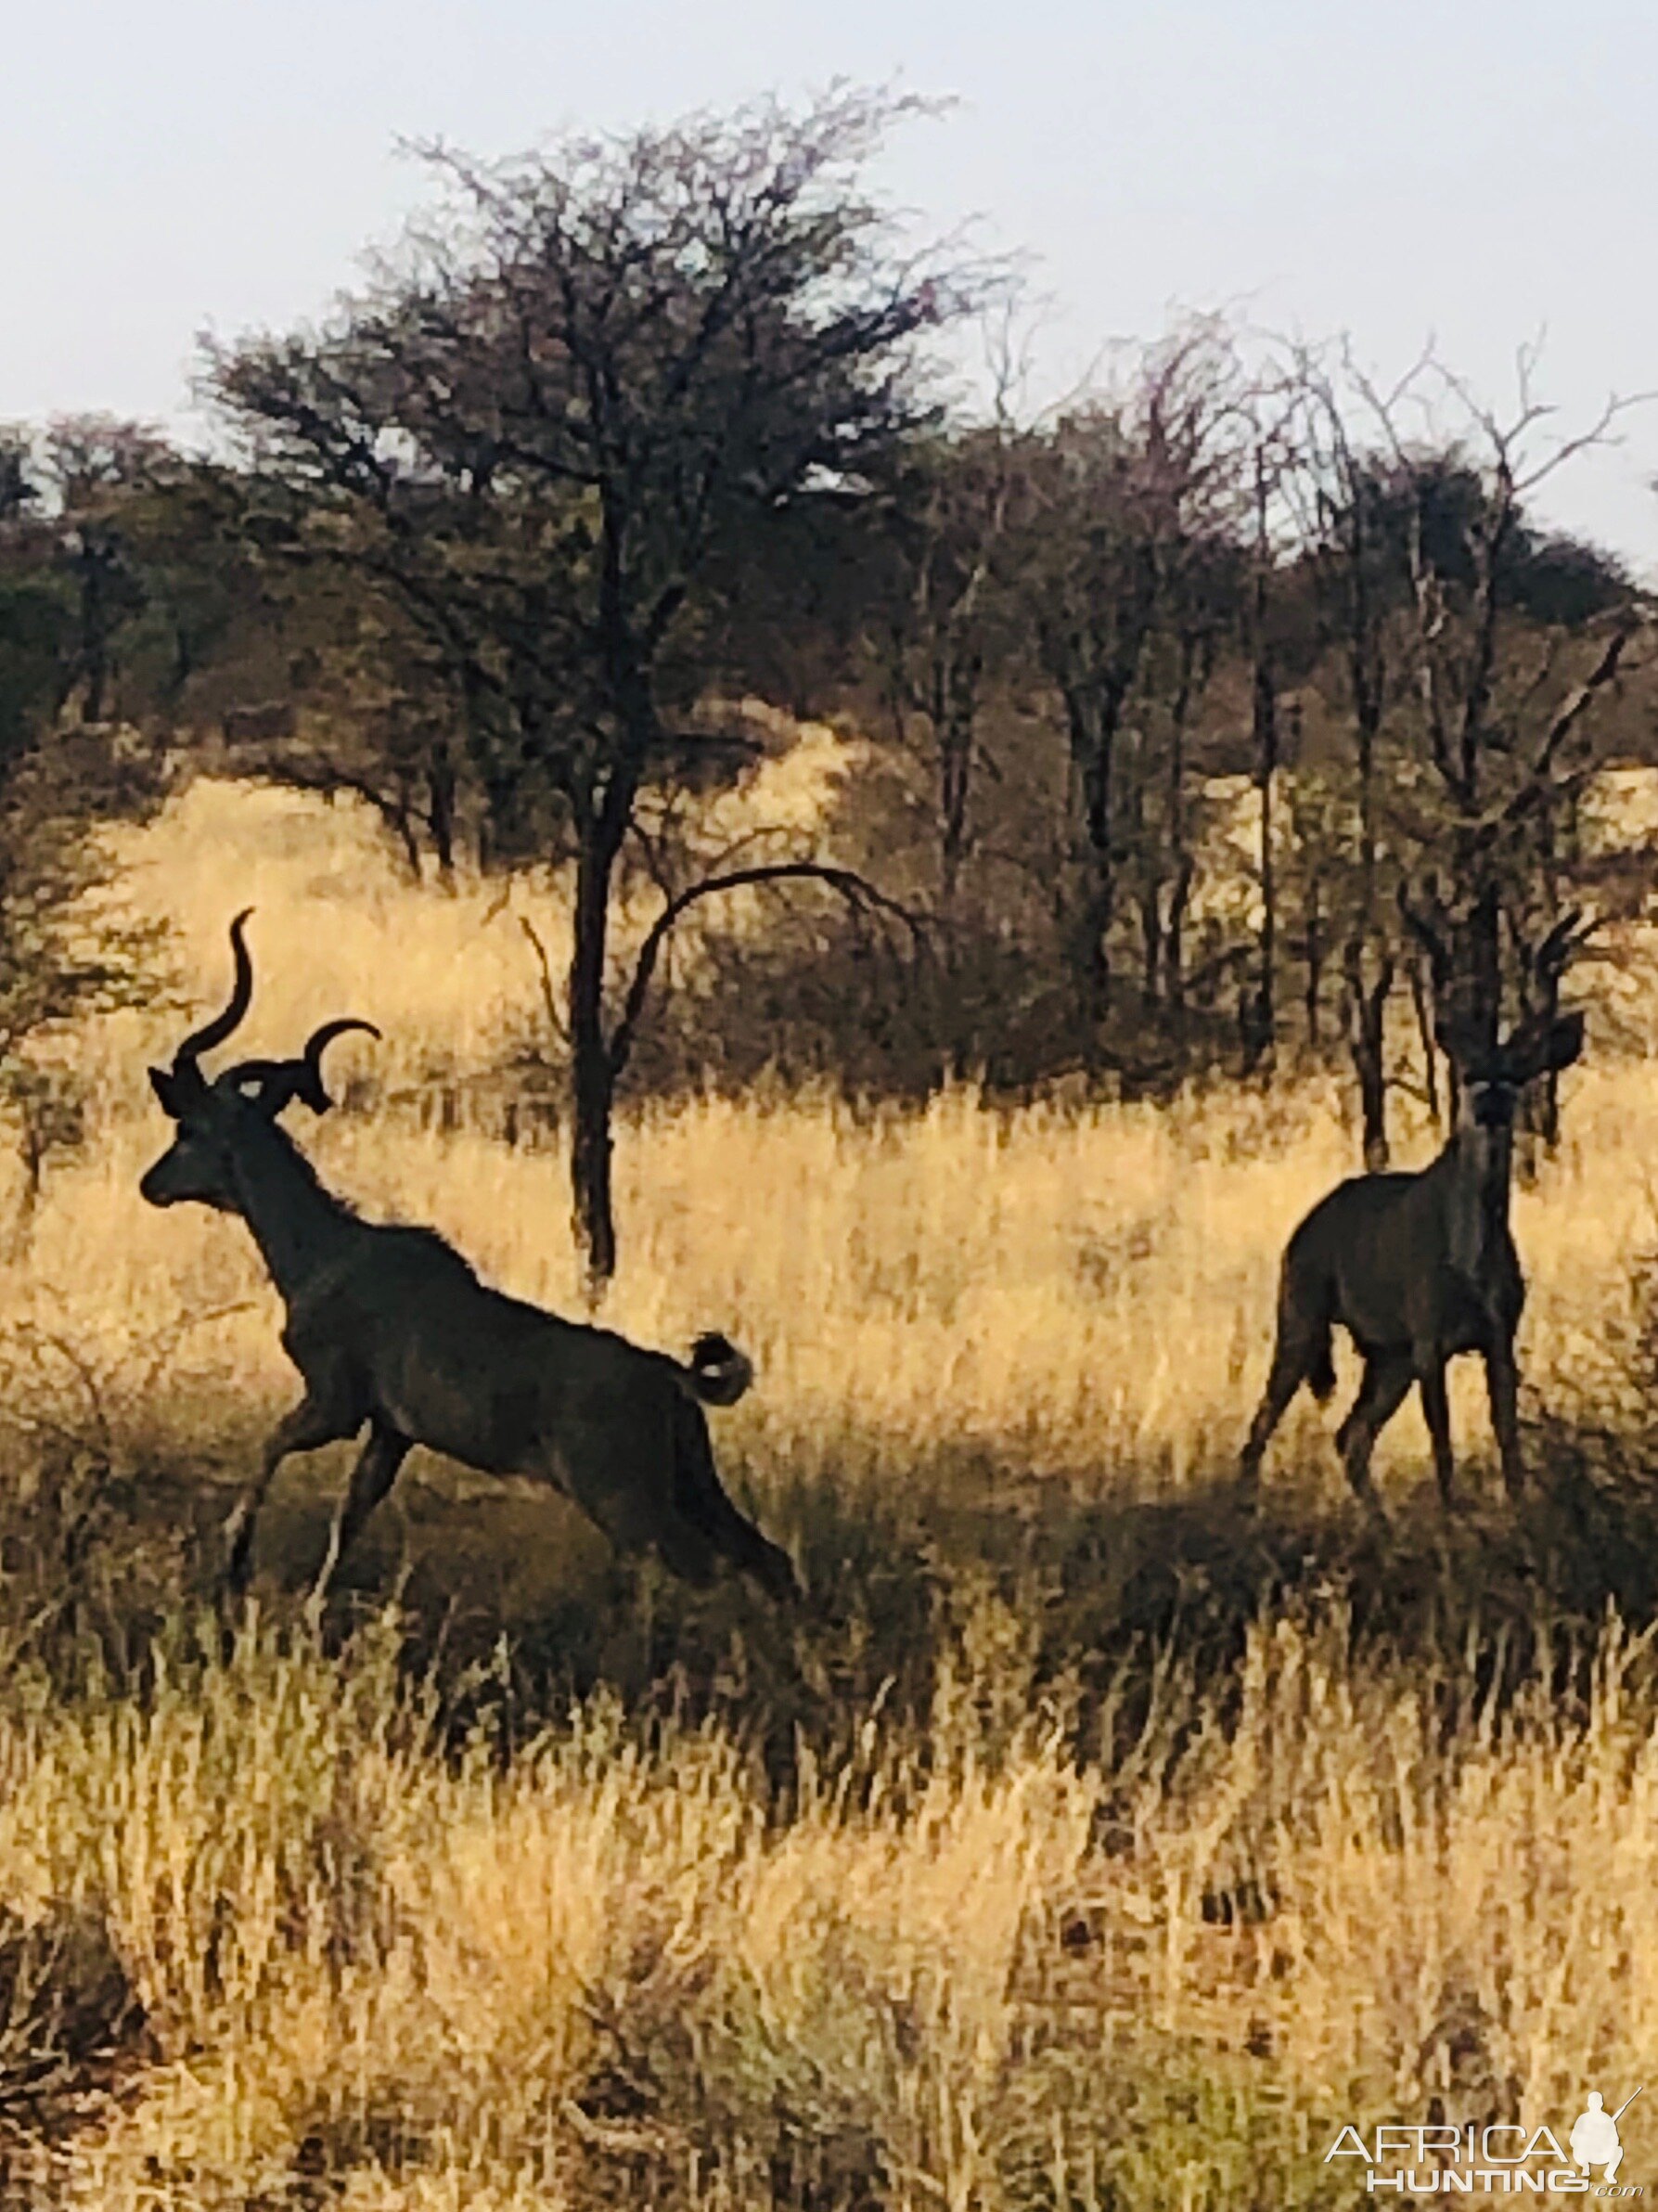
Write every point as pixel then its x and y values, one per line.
pixel 947 620
pixel 1348 537
pixel 1507 680
pixel 1203 577
pixel 1270 416
pixel 1112 502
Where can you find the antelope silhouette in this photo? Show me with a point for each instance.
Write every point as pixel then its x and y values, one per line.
pixel 1420 1267
pixel 390 1328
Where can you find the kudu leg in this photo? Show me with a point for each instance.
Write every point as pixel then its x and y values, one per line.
pixel 372 1476
pixel 1387 1384
pixel 1293 1359
pixel 1502 1386
pixel 315 1420
pixel 1436 1405
pixel 704 1501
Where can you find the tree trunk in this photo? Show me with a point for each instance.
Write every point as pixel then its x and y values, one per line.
pixel 440 809
pixel 399 814
pixel 95 565
pixel 1180 860
pixel 1094 749
pixel 1424 1030
pixel 1173 944
pixel 1259 1013
pixel 1367 1026
pixel 955 713
pixel 592 1073
pixel 1315 964
pixel 950 708
pixel 1537 1121
pixel 498 826
pixel 1151 941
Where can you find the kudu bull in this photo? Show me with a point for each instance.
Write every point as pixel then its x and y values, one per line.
pixel 389 1326
pixel 1418 1268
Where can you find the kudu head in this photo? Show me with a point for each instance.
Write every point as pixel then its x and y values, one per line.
pixel 1493 1069
pixel 1491 1077
pixel 220 1122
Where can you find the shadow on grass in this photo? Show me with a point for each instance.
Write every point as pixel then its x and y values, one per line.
pixel 950 1583
pixel 957 1573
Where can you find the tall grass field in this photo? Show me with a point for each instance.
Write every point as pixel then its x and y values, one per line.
pixel 1086 1842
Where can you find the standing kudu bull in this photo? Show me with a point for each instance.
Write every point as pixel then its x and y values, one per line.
pixel 389 1327
pixel 1420 1267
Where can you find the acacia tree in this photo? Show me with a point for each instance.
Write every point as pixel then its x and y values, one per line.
pixel 598 370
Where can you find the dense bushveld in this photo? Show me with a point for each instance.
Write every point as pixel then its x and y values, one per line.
pixel 1084 1844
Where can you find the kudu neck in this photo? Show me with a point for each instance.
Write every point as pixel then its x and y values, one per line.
pixel 295 1221
pixel 1478 1164
pixel 1487 1148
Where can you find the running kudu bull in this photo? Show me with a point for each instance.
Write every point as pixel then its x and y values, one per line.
pixel 1420 1267
pixel 389 1327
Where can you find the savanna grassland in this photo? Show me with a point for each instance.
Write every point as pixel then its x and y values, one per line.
pixel 1086 1842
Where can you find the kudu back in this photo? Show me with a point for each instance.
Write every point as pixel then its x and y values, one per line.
pixel 390 1329
pixel 1418 1269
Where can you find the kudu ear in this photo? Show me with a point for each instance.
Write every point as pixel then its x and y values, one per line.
pixel 166 1087
pixel 1563 1042
pixel 1543 1047
pixel 265 1084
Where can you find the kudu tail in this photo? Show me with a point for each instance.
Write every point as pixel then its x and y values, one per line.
pixel 703 1499
pixel 718 1373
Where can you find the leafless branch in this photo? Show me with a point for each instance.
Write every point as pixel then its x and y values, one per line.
pixel 859 894
pixel 549 996
pixel 1573 709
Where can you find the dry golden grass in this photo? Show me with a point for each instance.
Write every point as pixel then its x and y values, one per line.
pixel 1086 1846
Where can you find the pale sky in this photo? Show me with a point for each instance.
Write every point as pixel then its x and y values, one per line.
pixel 1483 170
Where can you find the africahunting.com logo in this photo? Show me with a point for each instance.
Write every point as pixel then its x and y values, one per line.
pixel 1484 2161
